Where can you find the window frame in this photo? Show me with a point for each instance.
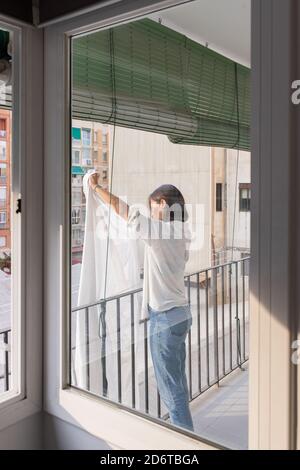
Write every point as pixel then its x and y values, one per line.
pixel 274 412
pixel 25 397
pixel 274 268
pixel 62 400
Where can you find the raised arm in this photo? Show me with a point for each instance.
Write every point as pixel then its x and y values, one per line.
pixel 119 206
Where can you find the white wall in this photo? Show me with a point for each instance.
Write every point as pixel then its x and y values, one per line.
pixel 242 219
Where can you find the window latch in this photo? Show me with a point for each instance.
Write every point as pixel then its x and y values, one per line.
pixel 19 206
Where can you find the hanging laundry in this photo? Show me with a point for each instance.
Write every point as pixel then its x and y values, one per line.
pixel 110 267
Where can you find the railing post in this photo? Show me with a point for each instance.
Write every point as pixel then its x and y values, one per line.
pixel 207 329
pixel 146 367
pixel 119 352
pixel 199 333
pixel 102 337
pixel 223 321
pixel 238 325
pixel 190 344
pixel 244 313
pixel 6 362
pixel 158 404
pixel 230 316
pixel 216 333
pixel 132 350
pixel 87 348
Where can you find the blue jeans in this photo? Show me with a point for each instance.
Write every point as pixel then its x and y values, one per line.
pixel 168 332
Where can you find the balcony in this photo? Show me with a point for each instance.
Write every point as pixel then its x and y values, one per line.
pixel 217 354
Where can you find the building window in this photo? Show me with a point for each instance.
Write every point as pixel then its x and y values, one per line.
pixel 2 219
pixel 86 137
pixel 76 180
pixel 95 137
pixel 83 213
pixel 219 201
pixel 86 157
pixel 104 174
pixel 77 237
pixel 104 138
pixel 3 128
pixel 2 242
pixel 2 150
pixel 75 216
pixel 76 198
pixel 76 156
pixel 3 170
pixel 76 133
pixel 104 156
pixel 2 197
pixel 245 197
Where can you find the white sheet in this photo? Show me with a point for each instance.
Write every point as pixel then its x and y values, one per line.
pixel 123 274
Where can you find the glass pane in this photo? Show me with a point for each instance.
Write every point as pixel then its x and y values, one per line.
pixel 5 210
pixel 154 318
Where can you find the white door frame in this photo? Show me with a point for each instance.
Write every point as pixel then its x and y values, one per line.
pixel 275 258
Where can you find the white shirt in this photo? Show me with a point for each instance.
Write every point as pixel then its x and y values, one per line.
pixel 166 254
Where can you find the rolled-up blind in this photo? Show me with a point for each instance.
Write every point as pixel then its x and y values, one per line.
pixel 146 76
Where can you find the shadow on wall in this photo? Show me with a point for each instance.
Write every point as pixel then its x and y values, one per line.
pixel 60 435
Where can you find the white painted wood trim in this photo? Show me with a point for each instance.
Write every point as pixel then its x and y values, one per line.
pixel 272 399
pixel 26 396
pixel 70 405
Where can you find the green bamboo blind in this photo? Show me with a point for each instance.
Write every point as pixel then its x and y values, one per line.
pixel 146 76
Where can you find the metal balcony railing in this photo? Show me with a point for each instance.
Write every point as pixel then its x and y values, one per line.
pixel 5 360
pixel 217 342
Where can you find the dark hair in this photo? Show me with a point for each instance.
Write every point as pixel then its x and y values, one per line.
pixel 174 199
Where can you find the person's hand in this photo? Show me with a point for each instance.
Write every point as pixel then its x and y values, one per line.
pixel 93 180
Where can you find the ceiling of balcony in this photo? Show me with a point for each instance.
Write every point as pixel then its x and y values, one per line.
pixel 224 24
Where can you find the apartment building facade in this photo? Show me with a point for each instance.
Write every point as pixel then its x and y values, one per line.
pixel 230 205
pixel 5 184
pixel 90 149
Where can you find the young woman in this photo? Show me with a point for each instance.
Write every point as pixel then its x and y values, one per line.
pixel 164 300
